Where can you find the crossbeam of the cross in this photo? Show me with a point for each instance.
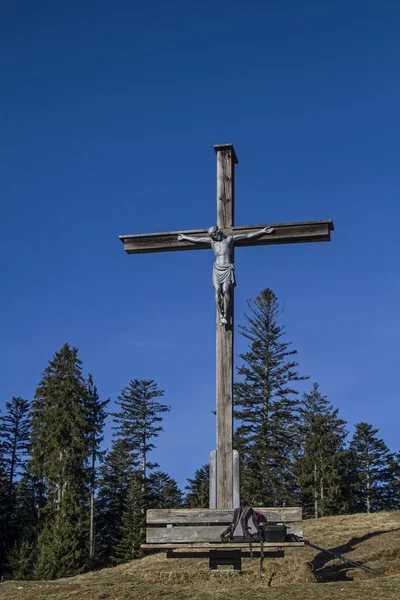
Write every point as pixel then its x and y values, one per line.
pixel 285 233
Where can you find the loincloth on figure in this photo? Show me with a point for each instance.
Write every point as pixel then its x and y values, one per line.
pixel 223 274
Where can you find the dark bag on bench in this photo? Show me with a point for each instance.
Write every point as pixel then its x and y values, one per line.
pixel 245 526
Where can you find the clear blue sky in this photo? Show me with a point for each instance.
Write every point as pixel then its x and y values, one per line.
pixel 109 113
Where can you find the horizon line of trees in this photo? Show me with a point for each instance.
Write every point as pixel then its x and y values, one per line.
pixel 68 505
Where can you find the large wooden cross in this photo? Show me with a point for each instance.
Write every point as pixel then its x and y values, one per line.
pixel 285 233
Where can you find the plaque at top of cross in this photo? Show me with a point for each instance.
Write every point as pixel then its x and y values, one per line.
pixel 223 238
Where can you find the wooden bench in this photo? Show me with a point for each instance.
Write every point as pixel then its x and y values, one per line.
pixel 195 533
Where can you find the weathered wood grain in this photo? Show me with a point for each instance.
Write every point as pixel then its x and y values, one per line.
pixel 236 479
pixel 226 160
pixel 285 233
pixel 190 534
pixel 163 535
pixel 186 516
pixel 224 339
pixel 212 496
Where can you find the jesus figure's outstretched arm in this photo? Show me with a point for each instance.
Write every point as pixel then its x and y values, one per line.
pixel 254 234
pixel 194 240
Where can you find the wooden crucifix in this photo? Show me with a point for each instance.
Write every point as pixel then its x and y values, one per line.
pixel 223 279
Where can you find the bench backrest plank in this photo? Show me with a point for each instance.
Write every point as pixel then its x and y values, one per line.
pixel 186 516
pixel 177 535
pixel 191 534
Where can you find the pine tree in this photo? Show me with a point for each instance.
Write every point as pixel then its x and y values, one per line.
pixel 15 431
pixel 266 407
pixel 23 559
pixel 5 512
pixel 392 500
pixel 115 475
pixel 133 522
pixel 137 423
pixel 59 449
pixel 60 552
pixel 24 553
pixel 96 416
pixel 198 489
pixel 163 491
pixel 14 438
pixel 139 420
pixel 59 426
pixel 321 459
pixel 372 470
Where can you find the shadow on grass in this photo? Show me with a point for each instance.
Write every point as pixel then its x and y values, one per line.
pixel 326 573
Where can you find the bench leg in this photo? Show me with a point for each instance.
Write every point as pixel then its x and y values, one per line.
pixel 226 557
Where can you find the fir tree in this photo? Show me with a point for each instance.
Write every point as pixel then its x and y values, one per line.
pixel 198 489
pixel 5 512
pixel 115 475
pixel 138 421
pixel 23 555
pixel 59 426
pixel 163 491
pixel 372 470
pixel 133 522
pixel 60 552
pixel 15 431
pixel 26 503
pixel 59 449
pixel 23 559
pixel 321 459
pixel 392 500
pixel 96 416
pixel 14 438
pixel 266 406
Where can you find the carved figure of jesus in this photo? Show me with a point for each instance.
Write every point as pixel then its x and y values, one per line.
pixel 223 277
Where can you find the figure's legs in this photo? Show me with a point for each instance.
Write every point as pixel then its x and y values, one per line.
pixel 226 287
pixel 219 301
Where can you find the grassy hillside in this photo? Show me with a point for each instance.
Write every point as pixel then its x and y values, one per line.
pixel 302 574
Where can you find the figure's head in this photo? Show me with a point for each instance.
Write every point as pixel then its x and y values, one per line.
pixel 216 233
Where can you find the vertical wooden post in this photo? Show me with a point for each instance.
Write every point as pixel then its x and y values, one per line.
pixel 236 479
pixel 212 503
pixel 226 160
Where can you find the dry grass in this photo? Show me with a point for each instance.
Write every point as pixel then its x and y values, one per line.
pixel 373 540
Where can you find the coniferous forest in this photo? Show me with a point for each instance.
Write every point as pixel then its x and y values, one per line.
pixel 68 504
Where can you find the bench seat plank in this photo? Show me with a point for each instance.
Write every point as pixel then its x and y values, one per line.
pixel 220 546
